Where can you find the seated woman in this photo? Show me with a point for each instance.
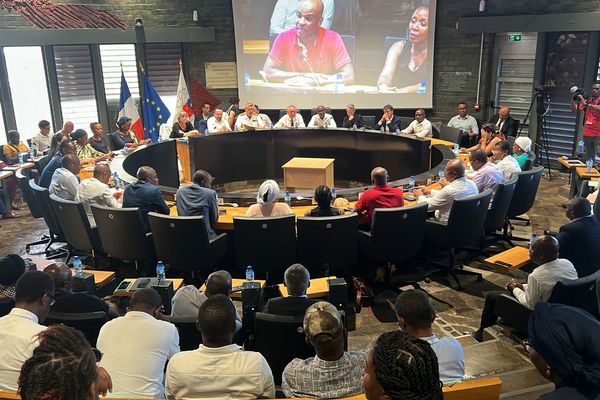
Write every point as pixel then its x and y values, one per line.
pixel 125 137
pixel 183 127
pixel 324 198
pixel 14 147
pixel 489 137
pixel 521 149
pixel 12 267
pixel 85 151
pixel 99 140
pixel 267 205
pixel 405 65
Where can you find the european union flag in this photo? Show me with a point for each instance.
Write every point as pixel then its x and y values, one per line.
pixel 154 110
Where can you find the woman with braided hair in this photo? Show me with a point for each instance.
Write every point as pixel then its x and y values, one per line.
pixel 62 367
pixel 401 367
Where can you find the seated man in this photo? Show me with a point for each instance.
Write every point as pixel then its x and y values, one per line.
pixel 454 186
pixel 199 199
pixel 540 282
pixel 333 373
pixel 297 281
pixel 66 147
pixel 41 141
pixel 380 196
pixel 578 239
pixel 467 125
pixel 421 127
pixel 218 369
pixel 502 154
pixel 505 123
pixel 292 119
pixel 487 174
pixel 137 346
pixel 65 181
pixel 218 124
pixel 309 53
pixel 187 300
pixel 14 147
pixel 79 302
pixel 388 121
pixel 415 316
pixel 95 190
pixel 248 120
pixel 145 194
pixel 321 119
pixel 352 119
pixel 34 293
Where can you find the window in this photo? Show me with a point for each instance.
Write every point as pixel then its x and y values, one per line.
pixel 3 137
pixel 27 81
pixel 162 68
pixel 115 56
pixel 76 85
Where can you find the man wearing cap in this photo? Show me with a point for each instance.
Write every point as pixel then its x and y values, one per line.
pixel 125 137
pixel 297 281
pixel 352 119
pixel 521 149
pixel 85 151
pixel 333 372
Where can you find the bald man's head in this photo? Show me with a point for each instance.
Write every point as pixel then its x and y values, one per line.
pixel 578 207
pixel 315 5
pixel 219 282
pixel 102 173
pixel 455 169
pixel 543 249
pixel 62 275
pixel 379 176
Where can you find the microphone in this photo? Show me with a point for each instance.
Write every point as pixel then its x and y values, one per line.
pixel 304 58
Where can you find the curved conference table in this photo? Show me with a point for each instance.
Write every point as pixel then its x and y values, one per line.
pixel 258 155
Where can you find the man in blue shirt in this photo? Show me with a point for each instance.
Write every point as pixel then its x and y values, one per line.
pixel 199 199
pixel 66 147
pixel 145 194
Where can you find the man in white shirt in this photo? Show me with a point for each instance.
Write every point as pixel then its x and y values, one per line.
pixel 454 186
pixel 467 125
pixel 291 120
pixel 322 119
pixel 136 347
pixel 41 142
pixel 216 123
pixel 96 191
pixel 248 120
pixel 65 182
pixel 421 127
pixel 66 130
pixel 540 282
pixel 502 153
pixel 415 316
pixel 18 330
pixel 218 369
pixel 263 119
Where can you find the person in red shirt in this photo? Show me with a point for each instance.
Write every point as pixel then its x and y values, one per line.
pixel 591 128
pixel 380 196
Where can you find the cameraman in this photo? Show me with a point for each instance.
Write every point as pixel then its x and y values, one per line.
pixel 591 128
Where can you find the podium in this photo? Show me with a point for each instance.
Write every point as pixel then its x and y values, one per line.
pixel 183 152
pixel 301 173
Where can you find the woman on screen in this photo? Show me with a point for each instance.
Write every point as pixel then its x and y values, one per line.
pixel 405 65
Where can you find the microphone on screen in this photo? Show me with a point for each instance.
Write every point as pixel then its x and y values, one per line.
pixel 304 57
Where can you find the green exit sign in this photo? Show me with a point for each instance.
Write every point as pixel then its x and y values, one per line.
pixel 514 37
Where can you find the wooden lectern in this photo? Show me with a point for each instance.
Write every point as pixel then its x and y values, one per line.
pixel 302 173
pixel 183 152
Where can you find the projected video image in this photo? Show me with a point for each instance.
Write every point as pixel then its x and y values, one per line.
pixel 335 48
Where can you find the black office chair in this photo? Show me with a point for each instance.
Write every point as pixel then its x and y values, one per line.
pixel 27 193
pixel 76 227
pixel 596 207
pixel 268 244
pixel 523 198
pixel 327 243
pixel 280 339
pixel 42 199
pixel 6 305
pixel 581 293
pixel 496 215
pixel 436 128
pixel 88 323
pixel 183 243
pixel 123 235
pixel 448 133
pixel 405 122
pixel 189 337
pixel 530 161
pixel 465 227
pixel 369 121
pixel 511 140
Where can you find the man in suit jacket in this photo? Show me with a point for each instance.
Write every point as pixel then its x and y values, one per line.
pixel 352 119
pixel 505 123
pixel 297 280
pixel 389 121
pixel 578 240
pixel 145 194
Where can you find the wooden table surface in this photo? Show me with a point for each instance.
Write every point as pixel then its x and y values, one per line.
pixel 318 287
pixel 14 167
pixel 570 165
pixel 5 174
pixel 583 174
pixel 517 257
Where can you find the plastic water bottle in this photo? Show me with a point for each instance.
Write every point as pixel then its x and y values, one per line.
pixel 160 139
pixel 325 125
pixel 333 194
pixel 456 150
pixel 20 158
pixel 31 154
pixel 397 131
pixel 383 128
pixel 442 174
pixel 354 127
pixel 160 271
pixel 287 198
pixel 422 88
pixel 588 165
pixel 580 147
pixel 249 273
pixel 271 125
pixel 411 184
pixel 77 265
pixel 125 150
pixel 339 82
pixel 116 180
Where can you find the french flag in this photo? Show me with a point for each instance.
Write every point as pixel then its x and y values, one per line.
pixel 127 108
pixel 184 102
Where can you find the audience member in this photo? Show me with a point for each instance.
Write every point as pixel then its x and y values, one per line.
pixel 381 195
pixel 145 194
pixel 125 137
pixel 293 119
pixel 564 347
pixel 99 140
pixel 388 121
pixel 400 366
pixel 79 302
pixel 65 181
pixel 231 109
pixel 454 186
pixel 85 151
pixel 333 373
pixel 267 205
pixel 489 138
pixel 487 174
pixel 263 119
pixel 183 126
pixel 95 191
pixel 540 282
pixel 205 115
pixel 324 198
pixel 54 145
pixel 421 127
pixel 352 119
pixel 415 316
pixel 504 122
pixel 66 130
pixel 322 119
pixel 12 266
pixel 13 147
pixel 34 294
pixel 199 199
pixel 466 123
pixel 41 141
pixel 219 369
pixel 521 149
pixel 137 346
pixel 248 120
pixel 66 147
pixel 218 124
pixel 505 161
pixel 297 280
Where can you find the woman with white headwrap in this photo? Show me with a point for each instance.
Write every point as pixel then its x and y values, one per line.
pixel 267 205
pixel 521 149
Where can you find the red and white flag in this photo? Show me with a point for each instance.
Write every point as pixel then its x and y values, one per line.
pixel 127 108
pixel 184 102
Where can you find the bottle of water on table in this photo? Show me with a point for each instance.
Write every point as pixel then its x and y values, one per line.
pixel 411 184
pixel 116 180
pixel 77 265
pixel 20 158
pixel 31 154
pixel 160 271
pixel 287 198
pixel 588 165
pixel 249 273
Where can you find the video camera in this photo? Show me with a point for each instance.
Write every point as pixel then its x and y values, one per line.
pixel 578 94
